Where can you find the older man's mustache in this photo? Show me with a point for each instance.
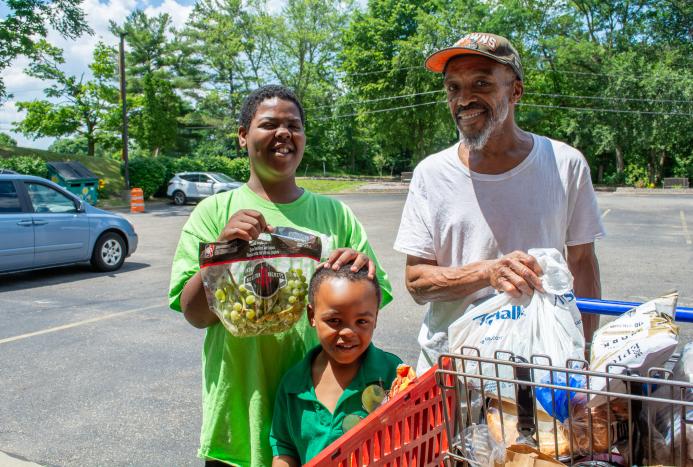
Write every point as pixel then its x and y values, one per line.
pixel 472 106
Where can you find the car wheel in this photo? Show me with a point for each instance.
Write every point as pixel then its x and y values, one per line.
pixel 179 198
pixel 109 252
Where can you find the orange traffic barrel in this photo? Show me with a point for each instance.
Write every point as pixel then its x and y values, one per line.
pixel 136 200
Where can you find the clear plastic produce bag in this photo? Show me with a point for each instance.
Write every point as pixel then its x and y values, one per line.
pixel 479 447
pixel 260 287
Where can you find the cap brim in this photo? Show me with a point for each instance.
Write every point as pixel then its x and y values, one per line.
pixel 437 60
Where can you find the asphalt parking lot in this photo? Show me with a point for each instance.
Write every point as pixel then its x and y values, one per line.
pixel 95 370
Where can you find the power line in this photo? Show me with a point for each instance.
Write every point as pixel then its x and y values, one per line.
pixel 337 104
pixel 541 70
pixel 568 96
pixel 379 110
pixel 579 109
pixel 365 73
pixel 589 109
pixel 607 98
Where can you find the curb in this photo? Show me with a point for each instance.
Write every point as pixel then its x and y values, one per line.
pixel 9 461
pixel 654 191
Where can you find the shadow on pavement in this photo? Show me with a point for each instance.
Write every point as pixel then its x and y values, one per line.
pixel 171 213
pixel 60 275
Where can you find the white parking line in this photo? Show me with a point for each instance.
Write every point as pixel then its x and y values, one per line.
pixel 605 213
pixel 78 323
pixel 686 234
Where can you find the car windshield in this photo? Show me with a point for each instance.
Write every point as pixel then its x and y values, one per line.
pixel 223 178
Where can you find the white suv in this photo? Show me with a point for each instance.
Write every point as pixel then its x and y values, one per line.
pixel 186 186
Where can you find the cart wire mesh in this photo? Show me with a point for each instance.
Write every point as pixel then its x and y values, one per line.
pixel 612 417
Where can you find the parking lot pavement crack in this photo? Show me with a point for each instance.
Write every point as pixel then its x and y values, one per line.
pixel 79 323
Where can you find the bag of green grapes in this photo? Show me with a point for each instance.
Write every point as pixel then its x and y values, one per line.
pixel 260 287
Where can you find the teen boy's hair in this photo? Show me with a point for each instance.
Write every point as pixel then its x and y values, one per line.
pixel 255 98
pixel 345 272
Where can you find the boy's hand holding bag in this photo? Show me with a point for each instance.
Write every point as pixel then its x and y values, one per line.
pixel 547 323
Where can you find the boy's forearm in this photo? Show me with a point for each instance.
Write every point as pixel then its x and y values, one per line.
pixel 193 302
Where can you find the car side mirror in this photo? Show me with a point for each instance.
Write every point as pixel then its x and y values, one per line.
pixel 80 206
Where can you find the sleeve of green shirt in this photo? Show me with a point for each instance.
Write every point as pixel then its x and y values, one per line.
pixel 358 240
pixel 280 433
pixel 200 227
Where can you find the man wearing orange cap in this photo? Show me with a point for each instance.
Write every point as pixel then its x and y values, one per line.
pixel 474 209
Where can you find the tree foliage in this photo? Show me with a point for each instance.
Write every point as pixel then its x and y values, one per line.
pixel 24 29
pixel 85 106
pixel 614 79
pixel 7 140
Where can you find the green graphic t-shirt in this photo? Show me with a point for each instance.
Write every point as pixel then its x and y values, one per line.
pixel 241 375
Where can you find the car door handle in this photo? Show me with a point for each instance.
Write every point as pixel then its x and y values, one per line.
pixel 40 222
pixel 25 222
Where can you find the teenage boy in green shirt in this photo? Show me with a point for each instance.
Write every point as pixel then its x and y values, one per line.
pixel 241 375
pixel 330 384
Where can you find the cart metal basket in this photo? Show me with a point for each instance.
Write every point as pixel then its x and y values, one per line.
pixel 602 427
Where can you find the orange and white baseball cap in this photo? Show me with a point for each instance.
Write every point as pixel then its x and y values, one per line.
pixel 495 47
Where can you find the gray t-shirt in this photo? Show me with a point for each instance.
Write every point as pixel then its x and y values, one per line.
pixel 455 217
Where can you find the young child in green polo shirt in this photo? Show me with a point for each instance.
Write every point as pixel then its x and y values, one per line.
pixel 316 396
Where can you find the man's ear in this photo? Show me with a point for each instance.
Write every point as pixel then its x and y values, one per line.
pixel 242 135
pixel 311 314
pixel 518 90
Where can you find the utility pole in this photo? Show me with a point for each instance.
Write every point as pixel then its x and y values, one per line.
pixel 125 110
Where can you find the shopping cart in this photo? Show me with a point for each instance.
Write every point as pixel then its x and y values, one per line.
pixel 413 429
pixel 628 419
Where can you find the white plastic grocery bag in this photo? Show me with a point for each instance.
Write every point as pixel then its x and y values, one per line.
pixel 546 323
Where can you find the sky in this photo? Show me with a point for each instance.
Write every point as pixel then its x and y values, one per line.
pixel 78 53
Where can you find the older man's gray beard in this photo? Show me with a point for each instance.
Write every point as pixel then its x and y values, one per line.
pixel 476 142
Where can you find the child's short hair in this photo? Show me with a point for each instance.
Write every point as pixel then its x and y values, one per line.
pixel 322 274
pixel 255 98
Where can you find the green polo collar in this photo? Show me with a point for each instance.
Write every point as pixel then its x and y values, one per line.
pixel 371 372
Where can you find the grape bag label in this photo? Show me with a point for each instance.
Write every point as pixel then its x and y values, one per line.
pixel 264 280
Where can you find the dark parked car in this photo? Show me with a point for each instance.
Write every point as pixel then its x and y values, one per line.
pixel 42 225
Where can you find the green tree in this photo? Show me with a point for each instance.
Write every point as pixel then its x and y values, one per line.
pixel 220 38
pixel 7 140
pixel 24 28
pixel 382 57
pixel 86 106
pixel 158 65
pixel 154 123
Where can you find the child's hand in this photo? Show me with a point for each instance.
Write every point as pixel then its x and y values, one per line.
pixel 342 256
pixel 245 224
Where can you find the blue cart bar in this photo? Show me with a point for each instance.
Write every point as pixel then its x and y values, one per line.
pixel 615 308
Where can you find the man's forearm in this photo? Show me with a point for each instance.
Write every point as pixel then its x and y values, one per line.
pixel 584 266
pixel 430 283
pixel 193 302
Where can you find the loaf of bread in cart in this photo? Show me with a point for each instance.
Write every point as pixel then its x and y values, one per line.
pixel 545 429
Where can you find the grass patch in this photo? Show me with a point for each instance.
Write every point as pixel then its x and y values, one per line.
pixel 328 186
pixel 107 169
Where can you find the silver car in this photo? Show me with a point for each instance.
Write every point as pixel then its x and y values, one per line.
pixel 195 186
pixel 42 225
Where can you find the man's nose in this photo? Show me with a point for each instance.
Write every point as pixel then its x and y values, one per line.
pixel 462 97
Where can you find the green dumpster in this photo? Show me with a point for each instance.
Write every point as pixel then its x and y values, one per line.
pixel 76 178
